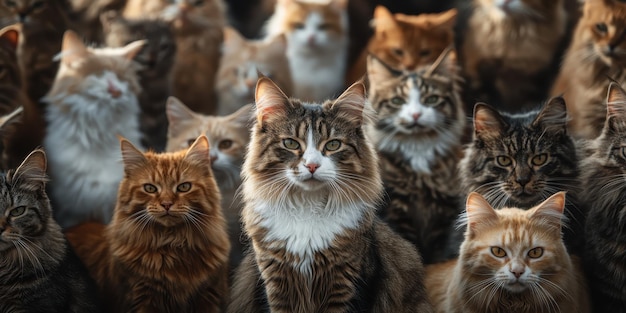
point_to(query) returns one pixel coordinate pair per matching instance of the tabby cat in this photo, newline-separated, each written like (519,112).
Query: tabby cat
(512,260)
(310,188)
(197,26)
(240,62)
(418,136)
(406,42)
(85,16)
(229,135)
(39,272)
(317,45)
(598,51)
(604,194)
(92,102)
(510,50)
(156,60)
(166,249)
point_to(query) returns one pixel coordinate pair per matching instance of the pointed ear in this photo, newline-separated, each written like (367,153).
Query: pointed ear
(31,174)
(351,103)
(550,211)
(132,157)
(242,116)
(10,37)
(278,43)
(487,121)
(198,152)
(553,116)
(107,18)
(378,72)
(232,39)
(178,115)
(445,20)
(383,20)
(615,100)
(271,102)
(130,50)
(73,49)
(479,213)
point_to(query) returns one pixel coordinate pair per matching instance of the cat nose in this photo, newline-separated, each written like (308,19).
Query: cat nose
(517,272)
(312,167)
(213,159)
(22,17)
(416,116)
(166,205)
(523,180)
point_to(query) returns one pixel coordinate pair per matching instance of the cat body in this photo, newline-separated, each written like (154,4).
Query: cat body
(156,59)
(596,52)
(39,271)
(166,249)
(421,120)
(512,260)
(317,245)
(317,45)
(92,102)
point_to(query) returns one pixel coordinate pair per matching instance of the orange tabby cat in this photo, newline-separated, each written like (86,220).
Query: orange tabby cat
(406,42)
(197,26)
(512,260)
(166,249)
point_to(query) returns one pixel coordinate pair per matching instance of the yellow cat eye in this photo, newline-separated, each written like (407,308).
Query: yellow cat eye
(498,252)
(539,159)
(184,187)
(17,211)
(535,253)
(149,188)
(333,145)
(397,100)
(291,144)
(225,144)
(503,160)
(430,100)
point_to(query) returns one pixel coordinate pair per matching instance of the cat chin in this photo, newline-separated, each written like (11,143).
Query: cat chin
(311,184)
(516,287)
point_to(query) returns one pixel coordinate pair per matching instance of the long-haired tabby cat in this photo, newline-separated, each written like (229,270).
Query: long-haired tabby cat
(241,60)
(311,184)
(229,136)
(317,45)
(604,194)
(512,260)
(39,272)
(92,102)
(418,133)
(156,59)
(510,50)
(597,51)
(406,42)
(197,25)
(166,249)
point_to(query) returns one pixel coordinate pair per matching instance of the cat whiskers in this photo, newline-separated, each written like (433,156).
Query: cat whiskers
(142,218)
(30,254)
(544,296)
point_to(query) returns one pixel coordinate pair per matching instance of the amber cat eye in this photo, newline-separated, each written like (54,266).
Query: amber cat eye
(291,144)
(498,252)
(184,187)
(149,188)
(539,159)
(333,145)
(18,211)
(503,160)
(535,253)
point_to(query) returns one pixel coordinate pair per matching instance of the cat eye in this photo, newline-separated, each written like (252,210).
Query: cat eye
(424,53)
(431,100)
(184,187)
(503,160)
(297,25)
(17,211)
(397,51)
(291,144)
(225,144)
(535,253)
(323,27)
(397,100)
(539,159)
(332,145)
(602,28)
(149,188)
(498,252)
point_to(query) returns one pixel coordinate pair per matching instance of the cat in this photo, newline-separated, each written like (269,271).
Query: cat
(85,16)
(229,136)
(197,26)
(241,59)
(512,260)
(39,271)
(597,51)
(317,45)
(421,121)
(405,42)
(603,174)
(92,102)
(156,60)
(310,187)
(510,50)
(166,249)
(519,160)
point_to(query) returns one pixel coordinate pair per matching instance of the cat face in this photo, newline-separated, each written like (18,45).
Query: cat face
(604,28)
(23,11)
(534,9)
(313,26)
(520,160)
(169,189)
(185,16)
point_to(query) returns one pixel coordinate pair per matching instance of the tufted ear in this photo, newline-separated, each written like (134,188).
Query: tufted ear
(178,116)
(198,152)
(130,50)
(384,21)
(479,213)
(550,212)
(351,103)
(31,174)
(487,121)
(10,37)
(133,158)
(73,49)
(553,116)
(243,115)
(378,72)
(271,102)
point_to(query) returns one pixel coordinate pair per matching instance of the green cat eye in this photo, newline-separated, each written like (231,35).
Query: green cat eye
(430,100)
(498,252)
(398,100)
(535,253)
(291,144)
(333,145)
(184,187)
(149,188)
(539,159)
(503,160)
(17,211)
(225,144)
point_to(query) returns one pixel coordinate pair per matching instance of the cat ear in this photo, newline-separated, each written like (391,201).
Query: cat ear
(199,151)
(232,39)
(10,37)
(350,104)
(479,213)
(73,49)
(550,211)
(377,71)
(31,174)
(271,102)
(132,157)
(383,20)
(553,116)
(278,43)
(178,116)
(445,20)
(615,101)
(130,50)
(487,121)
(242,116)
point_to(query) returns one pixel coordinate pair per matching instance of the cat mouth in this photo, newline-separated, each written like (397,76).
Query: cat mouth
(515,286)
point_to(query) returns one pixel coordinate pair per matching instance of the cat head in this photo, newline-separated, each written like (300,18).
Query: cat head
(10,73)
(529,9)
(229,135)
(520,159)
(169,189)
(157,56)
(407,42)
(602,28)
(514,250)
(26,12)
(241,59)
(311,150)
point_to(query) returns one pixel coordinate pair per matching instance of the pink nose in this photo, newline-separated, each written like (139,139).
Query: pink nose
(517,273)
(166,205)
(416,116)
(312,167)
